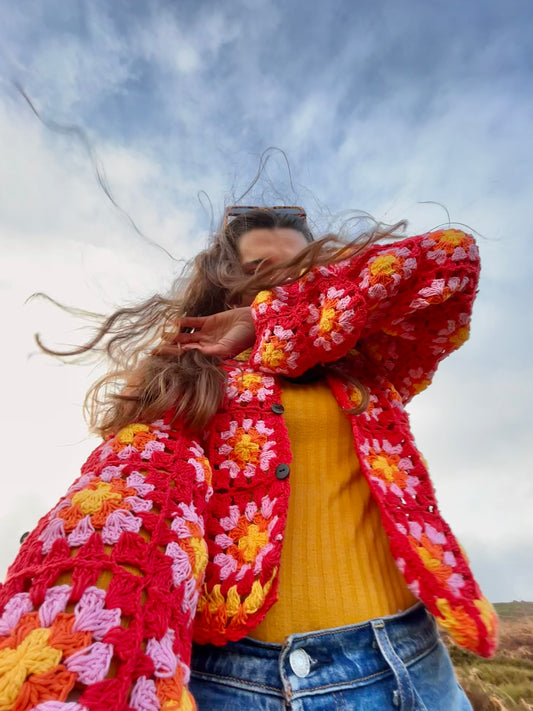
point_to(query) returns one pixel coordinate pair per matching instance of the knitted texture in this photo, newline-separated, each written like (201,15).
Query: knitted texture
(134,517)
(406,306)
(102,597)
(331,512)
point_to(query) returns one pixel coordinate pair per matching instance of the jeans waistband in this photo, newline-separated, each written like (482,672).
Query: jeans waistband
(326,659)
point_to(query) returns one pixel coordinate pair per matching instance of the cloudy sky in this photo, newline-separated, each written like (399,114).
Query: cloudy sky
(400,108)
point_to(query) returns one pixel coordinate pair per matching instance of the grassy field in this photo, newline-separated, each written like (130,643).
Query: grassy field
(504,683)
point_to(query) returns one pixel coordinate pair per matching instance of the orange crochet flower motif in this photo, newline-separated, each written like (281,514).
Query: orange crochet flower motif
(273,353)
(488,615)
(267,300)
(333,319)
(431,556)
(247,447)
(389,469)
(172,693)
(431,546)
(195,547)
(264,297)
(218,612)
(460,336)
(246,537)
(383,267)
(249,538)
(201,464)
(450,244)
(30,657)
(458,623)
(454,334)
(98,499)
(245,386)
(419,386)
(384,272)
(276,351)
(449,240)
(137,437)
(189,553)
(249,381)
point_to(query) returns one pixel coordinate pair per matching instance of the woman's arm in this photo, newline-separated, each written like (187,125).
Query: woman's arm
(99,603)
(405,305)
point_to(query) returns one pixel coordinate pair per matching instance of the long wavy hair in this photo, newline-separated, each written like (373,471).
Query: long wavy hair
(141,386)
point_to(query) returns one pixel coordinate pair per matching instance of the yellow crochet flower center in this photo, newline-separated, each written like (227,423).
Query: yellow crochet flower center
(250,380)
(90,500)
(453,237)
(200,554)
(185,703)
(246,450)
(32,656)
(488,615)
(420,386)
(327,320)
(263,297)
(460,336)
(126,434)
(458,623)
(252,543)
(386,469)
(272,356)
(383,265)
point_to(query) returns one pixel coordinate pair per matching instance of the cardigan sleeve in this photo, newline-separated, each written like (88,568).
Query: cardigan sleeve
(405,305)
(98,606)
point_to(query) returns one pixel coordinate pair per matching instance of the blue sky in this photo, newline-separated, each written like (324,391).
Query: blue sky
(402,109)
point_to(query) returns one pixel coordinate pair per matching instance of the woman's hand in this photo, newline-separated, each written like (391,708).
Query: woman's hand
(224,334)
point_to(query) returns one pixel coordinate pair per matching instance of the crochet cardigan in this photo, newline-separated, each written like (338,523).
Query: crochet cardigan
(168,537)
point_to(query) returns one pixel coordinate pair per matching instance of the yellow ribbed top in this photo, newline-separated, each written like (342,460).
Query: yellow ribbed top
(336,566)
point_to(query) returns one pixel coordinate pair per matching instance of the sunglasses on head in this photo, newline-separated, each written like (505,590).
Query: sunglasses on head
(236,210)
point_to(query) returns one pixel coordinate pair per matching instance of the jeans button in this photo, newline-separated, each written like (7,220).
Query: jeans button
(300,662)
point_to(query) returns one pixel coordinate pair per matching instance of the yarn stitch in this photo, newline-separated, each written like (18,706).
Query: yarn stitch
(166,537)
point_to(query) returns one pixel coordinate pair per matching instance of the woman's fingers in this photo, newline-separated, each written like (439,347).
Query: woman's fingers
(177,350)
(167,349)
(193,321)
(182,338)
(223,334)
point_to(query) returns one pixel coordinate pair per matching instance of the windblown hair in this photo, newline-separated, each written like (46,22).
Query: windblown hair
(141,386)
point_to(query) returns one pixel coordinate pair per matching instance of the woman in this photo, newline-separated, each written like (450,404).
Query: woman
(180,524)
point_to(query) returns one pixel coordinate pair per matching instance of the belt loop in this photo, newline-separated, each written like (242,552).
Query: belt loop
(285,683)
(398,668)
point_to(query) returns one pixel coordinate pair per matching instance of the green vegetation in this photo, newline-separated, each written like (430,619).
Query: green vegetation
(514,609)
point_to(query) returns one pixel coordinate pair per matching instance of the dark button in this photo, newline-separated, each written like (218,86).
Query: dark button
(282,471)
(24,536)
(277,408)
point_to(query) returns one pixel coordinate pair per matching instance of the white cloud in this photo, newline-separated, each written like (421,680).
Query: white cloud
(176,100)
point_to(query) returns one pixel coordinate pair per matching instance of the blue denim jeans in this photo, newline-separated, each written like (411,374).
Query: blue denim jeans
(395,662)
